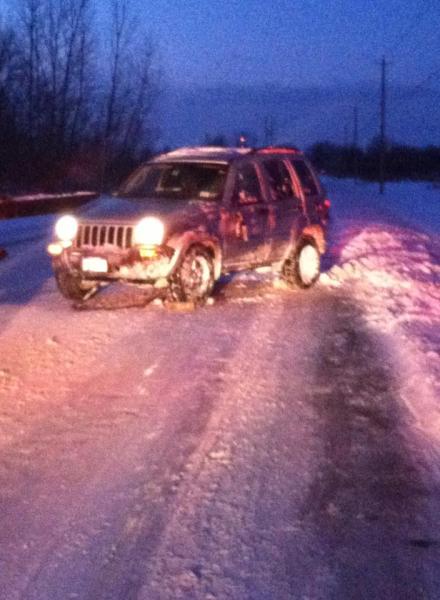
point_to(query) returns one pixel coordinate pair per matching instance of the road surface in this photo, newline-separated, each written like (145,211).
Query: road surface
(257,448)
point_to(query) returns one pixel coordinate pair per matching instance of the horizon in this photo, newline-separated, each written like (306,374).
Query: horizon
(319,114)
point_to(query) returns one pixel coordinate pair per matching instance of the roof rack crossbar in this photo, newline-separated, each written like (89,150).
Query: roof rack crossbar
(284,149)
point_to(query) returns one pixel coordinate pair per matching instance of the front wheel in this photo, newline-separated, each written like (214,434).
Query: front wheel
(302,267)
(193,279)
(74,287)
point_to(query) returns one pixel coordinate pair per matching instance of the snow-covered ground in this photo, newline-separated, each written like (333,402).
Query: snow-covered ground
(386,252)
(272,445)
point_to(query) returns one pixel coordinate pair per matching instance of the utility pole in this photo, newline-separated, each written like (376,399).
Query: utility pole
(355,142)
(382,127)
(269,130)
(355,127)
(346,135)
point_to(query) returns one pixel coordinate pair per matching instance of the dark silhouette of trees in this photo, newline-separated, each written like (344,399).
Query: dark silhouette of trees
(74,109)
(401,162)
(54,95)
(9,128)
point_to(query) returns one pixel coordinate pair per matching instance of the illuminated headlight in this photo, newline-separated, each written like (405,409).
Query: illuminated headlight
(149,232)
(66,228)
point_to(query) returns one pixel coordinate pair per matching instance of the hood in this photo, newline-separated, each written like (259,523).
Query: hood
(123,210)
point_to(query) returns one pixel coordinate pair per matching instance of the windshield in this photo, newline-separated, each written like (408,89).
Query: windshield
(180,181)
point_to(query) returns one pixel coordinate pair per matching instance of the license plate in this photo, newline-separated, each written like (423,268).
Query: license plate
(94,264)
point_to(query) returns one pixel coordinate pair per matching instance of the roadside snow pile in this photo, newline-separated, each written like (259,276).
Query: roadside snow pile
(394,273)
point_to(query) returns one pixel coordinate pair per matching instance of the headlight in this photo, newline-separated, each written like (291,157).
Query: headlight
(149,232)
(66,228)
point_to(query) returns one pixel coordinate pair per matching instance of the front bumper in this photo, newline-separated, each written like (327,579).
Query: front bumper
(143,265)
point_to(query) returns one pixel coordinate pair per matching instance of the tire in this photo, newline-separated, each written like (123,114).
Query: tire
(73,287)
(302,268)
(193,279)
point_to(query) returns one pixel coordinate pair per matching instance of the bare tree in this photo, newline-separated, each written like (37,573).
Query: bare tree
(131,89)
(118,45)
(143,96)
(76,59)
(9,66)
(29,13)
(67,63)
(69,93)
(55,38)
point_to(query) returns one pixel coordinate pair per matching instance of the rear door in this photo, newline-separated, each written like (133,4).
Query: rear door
(285,205)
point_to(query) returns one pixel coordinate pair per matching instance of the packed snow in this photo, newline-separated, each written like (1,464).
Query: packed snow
(273,444)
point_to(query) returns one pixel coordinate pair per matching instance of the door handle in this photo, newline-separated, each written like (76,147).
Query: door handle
(263,210)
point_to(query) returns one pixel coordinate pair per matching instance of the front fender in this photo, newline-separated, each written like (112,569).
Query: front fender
(182,242)
(317,233)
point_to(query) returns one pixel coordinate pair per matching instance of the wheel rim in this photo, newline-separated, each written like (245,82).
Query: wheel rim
(196,277)
(308,264)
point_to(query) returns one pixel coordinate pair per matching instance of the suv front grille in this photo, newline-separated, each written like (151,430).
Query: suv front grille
(103,235)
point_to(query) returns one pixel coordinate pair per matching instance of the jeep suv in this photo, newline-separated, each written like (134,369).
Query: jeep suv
(186,217)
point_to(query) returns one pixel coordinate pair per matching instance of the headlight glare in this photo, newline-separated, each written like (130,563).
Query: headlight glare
(66,228)
(149,232)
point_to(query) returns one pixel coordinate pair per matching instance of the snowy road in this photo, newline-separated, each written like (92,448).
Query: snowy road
(274,445)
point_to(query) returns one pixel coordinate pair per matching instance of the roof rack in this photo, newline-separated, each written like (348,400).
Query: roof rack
(278,150)
(204,151)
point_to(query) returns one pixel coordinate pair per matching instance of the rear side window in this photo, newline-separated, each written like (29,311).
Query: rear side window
(306,178)
(280,183)
(248,190)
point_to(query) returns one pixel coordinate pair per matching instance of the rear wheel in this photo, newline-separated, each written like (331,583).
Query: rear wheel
(74,287)
(193,279)
(302,267)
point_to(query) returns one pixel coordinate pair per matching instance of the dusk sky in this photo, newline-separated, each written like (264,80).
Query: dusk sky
(292,42)
(310,44)
(321,57)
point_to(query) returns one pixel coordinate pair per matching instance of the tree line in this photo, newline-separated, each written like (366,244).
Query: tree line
(75,101)
(400,161)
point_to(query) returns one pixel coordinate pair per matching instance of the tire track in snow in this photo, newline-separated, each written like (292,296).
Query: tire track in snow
(236,513)
(110,461)
(370,501)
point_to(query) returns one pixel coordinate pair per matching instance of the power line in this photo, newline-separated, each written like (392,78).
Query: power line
(426,80)
(412,91)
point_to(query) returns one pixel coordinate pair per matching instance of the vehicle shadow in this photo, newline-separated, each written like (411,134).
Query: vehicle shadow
(368,504)
(246,286)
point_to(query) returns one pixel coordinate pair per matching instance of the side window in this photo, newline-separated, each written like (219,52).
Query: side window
(306,178)
(280,183)
(248,190)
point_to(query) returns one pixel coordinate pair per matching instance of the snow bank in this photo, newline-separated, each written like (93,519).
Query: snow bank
(40,204)
(385,250)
